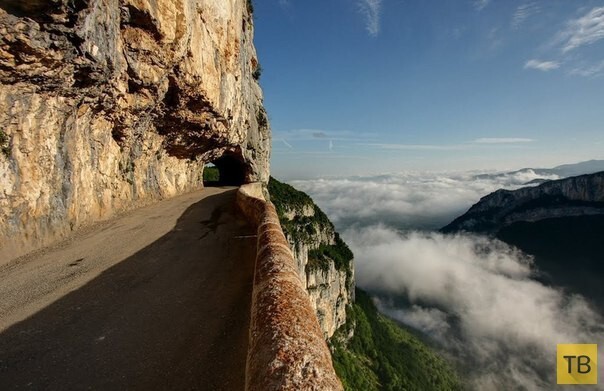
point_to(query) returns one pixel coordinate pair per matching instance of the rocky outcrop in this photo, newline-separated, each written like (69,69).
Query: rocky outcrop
(575,196)
(109,104)
(331,290)
(324,262)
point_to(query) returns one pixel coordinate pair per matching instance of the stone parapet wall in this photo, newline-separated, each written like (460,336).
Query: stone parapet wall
(287,350)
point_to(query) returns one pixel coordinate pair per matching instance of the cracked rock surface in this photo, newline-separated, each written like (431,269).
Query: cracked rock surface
(106,105)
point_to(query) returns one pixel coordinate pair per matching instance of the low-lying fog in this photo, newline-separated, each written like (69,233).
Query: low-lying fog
(406,201)
(475,297)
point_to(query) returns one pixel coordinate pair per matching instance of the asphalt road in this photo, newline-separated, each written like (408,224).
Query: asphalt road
(157,299)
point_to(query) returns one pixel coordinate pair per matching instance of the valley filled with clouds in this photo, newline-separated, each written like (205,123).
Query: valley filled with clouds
(407,200)
(478,299)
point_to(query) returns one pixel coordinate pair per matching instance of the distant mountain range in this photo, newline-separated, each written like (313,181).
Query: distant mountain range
(560,222)
(567,170)
(563,171)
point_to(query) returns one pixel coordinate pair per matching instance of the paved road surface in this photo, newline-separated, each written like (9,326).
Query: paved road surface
(157,299)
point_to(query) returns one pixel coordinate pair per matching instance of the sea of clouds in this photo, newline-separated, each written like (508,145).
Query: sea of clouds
(407,200)
(476,298)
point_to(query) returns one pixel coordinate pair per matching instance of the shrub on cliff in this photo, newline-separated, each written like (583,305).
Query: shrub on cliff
(339,253)
(286,197)
(384,356)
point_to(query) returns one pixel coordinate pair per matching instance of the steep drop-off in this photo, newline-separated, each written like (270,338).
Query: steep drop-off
(382,355)
(106,105)
(369,351)
(559,222)
(324,261)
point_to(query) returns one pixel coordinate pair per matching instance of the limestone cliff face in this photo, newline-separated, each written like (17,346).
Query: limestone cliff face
(108,104)
(575,196)
(324,262)
(330,289)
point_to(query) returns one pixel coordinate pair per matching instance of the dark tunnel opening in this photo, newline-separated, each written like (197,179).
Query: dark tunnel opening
(227,170)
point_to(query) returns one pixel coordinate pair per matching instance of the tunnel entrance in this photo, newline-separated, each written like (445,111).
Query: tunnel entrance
(227,170)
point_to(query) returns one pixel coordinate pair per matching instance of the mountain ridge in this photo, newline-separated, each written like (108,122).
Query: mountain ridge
(580,195)
(559,223)
(562,171)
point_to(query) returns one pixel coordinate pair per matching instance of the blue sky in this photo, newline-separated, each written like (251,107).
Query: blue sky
(380,86)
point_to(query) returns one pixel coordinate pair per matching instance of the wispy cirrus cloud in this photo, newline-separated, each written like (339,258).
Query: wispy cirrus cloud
(297,140)
(371,10)
(582,31)
(523,12)
(481,4)
(544,66)
(319,134)
(589,71)
(414,147)
(450,147)
(577,33)
(288,145)
(502,140)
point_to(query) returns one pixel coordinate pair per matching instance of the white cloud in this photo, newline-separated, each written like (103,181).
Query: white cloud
(288,145)
(585,30)
(371,9)
(523,12)
(481,4)
(415,147)
(406,200)
(431,321)
(448,147)
(589,71)
(318,134)
(476,298)
(544,66)
(502,140)
(582,31)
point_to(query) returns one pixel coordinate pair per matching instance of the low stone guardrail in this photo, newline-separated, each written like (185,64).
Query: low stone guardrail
(286,348)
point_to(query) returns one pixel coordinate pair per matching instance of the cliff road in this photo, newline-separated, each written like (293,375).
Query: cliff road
(158,298)
(106,106)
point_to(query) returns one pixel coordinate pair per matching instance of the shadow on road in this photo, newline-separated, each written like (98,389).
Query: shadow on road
(174,315)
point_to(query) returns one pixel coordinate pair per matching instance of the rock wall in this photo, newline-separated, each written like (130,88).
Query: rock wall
(109,104)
